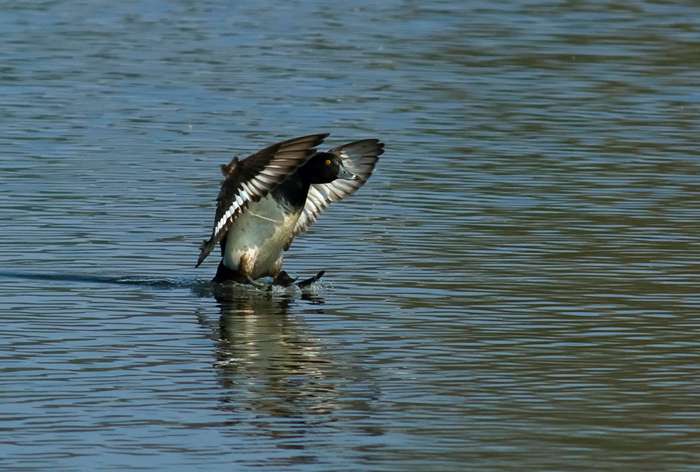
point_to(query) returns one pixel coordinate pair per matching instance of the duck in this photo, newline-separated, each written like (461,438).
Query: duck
(269,198)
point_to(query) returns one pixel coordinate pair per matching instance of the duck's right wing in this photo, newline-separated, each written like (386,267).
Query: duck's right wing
(360,159)
(253,178)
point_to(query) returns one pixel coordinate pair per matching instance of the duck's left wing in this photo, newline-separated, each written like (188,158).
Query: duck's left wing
(253,178)
(359,158)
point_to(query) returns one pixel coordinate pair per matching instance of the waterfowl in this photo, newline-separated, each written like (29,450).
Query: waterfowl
(274,195)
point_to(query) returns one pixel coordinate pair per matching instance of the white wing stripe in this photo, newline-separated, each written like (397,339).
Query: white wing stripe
(222,221)
(239,200)
(247,190)
(269,180)
(269,176)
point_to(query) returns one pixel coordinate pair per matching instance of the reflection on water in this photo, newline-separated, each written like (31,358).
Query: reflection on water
(264,356)
(272,370)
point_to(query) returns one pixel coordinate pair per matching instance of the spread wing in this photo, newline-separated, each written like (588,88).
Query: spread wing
(359,158)
(253,178)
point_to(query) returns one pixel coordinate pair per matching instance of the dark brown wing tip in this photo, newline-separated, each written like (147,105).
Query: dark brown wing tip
(314,140)
(206,248)
(317,139)
(379,146)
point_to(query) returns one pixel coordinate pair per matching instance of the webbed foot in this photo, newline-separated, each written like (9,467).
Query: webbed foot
(257,284)
(310,280)
(282,280)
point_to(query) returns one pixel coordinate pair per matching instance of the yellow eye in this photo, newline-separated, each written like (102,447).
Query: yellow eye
(328,162)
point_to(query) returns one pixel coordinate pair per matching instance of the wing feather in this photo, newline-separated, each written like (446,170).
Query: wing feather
(253,178)
(359,158)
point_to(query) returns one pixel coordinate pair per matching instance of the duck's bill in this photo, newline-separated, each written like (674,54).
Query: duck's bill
(343,173)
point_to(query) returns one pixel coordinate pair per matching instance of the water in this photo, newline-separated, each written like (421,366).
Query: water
(515,288)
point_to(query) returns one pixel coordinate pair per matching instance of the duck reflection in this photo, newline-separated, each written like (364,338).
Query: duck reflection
(267,365)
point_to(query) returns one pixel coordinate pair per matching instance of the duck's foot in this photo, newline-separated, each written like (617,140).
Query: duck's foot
(224,274)
(310,280)
(282,280)
(257,284)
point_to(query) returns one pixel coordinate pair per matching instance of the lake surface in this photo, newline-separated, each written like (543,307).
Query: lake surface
(516,288)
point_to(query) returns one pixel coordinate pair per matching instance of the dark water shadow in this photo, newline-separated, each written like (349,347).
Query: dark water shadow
(154,282)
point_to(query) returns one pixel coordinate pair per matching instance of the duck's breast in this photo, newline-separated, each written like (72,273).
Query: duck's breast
(259,234)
